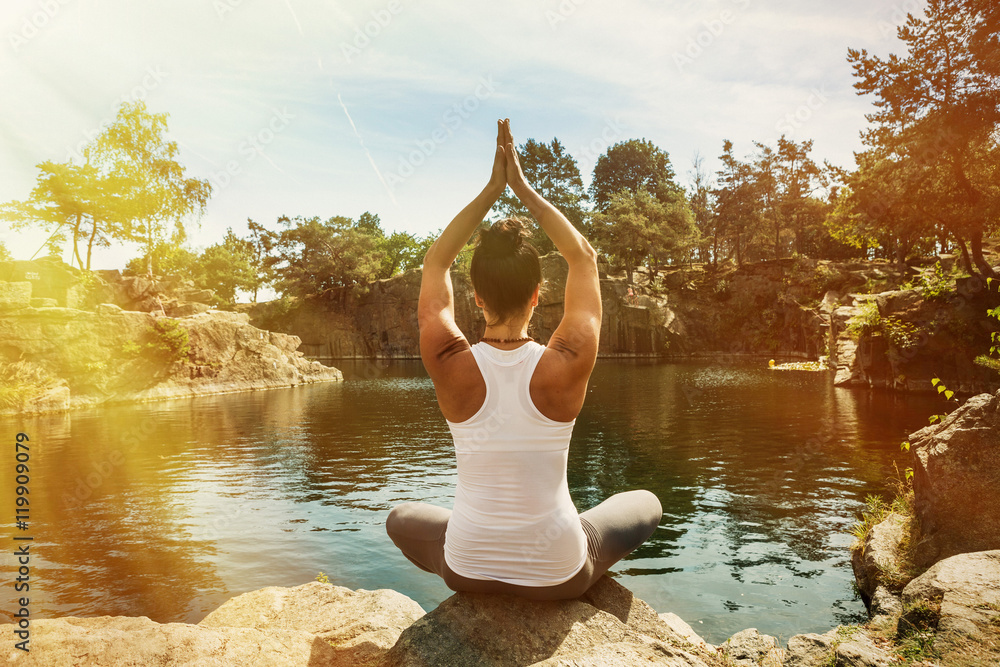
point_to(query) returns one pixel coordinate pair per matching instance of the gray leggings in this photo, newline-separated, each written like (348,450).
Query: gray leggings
(614,529)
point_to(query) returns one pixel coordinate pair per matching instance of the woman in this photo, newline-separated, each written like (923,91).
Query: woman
(511,404)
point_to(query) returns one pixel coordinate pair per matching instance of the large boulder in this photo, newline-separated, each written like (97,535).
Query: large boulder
(15,295)
(962,592)
(361,625)
(606,626)
(114,641)
(956,481)
(845,646)
(750,648)
(876,560)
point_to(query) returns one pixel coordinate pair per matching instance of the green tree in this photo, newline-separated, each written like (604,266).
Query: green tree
(315,255)
(262,258)
(634,165)
(5,255)
(738,216)
(152,190)
(170,258)
(937,109)
(226,267)
(554,174)
(70,202)
(703,208)
(636,229)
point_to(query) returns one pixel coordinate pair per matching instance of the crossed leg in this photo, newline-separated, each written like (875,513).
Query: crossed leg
(614,529)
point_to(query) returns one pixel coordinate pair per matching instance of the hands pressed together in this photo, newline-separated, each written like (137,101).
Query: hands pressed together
(506,166)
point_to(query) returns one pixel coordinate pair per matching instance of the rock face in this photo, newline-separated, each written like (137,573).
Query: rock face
(113,641)
(938,337)
(749,648)
(319,624)
(875,561)
(607,626)
(113,355)
(956,481)
(963,592)
(360,625)
(841,646)
(380,320)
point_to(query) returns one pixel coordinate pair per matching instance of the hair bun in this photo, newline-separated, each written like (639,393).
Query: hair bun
(503,237)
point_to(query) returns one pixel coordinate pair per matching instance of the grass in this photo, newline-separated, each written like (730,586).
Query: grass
(893,575)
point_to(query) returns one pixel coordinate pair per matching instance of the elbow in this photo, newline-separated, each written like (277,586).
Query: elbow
(582,253)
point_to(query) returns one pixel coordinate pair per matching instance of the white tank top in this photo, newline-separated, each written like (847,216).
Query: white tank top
(513,518)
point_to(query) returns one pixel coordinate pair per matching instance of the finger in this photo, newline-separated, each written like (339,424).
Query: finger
(500,133)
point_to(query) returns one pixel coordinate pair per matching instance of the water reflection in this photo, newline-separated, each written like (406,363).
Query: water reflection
(168,509)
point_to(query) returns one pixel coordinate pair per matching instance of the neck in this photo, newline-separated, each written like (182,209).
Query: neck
(507,332)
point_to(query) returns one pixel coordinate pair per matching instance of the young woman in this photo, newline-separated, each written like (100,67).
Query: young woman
(511,404)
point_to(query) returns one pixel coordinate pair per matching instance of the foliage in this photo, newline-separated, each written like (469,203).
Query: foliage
(554,174)
(170,340)
(322,578)
(314,256)
(261,243)
(168,258)
(228,266)
(935,285)
(931,168)
(900,334)
(20,382)
(5,255)
(637,228)
(991,359)
(634,165)
(151,187)
(129,188)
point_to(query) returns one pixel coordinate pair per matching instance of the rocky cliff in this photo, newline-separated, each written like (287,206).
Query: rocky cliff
(57,358)
(791,308)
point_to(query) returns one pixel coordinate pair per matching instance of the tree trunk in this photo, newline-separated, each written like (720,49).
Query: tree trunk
(977,255)
(966,260)
(90,243)
(76,237)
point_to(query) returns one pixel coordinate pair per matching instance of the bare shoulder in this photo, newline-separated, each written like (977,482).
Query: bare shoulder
(458,384)
(558,386)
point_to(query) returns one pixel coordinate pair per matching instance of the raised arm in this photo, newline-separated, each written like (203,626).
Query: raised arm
(576,338)
(440,337)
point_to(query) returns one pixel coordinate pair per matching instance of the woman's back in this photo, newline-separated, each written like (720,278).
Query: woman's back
(513,518)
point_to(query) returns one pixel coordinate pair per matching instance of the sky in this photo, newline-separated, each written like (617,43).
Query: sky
(326,108)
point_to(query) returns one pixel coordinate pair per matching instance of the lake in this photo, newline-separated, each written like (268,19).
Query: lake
(168,509)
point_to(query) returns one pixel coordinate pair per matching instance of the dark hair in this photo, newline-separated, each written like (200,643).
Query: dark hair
(505,269)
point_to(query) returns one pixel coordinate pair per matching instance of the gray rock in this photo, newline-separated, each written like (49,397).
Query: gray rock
(810,650)
(885,603)
(44,302)
(608,625)
(361,625)
(678,625)
(15,295)
(114,641)
(966,588)
(956,481)
(859,650)
(879,553)
(750,648)
(108,309)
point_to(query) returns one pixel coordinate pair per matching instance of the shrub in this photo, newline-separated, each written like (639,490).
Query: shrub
(20,382)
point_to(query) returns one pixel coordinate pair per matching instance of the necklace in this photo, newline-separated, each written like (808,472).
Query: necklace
(504,340)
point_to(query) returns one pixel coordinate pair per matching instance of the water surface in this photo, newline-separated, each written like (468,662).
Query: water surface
(168,509)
